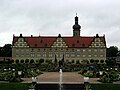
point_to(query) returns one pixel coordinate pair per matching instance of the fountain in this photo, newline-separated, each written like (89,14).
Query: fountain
(60,83)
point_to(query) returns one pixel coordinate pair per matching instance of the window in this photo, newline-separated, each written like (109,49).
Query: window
(17,55)
(73,45)
(61,54)
(78,55)
(67,54)
(17,50)
(89,55)
(83,45)
(83,50)
(45,45)
(101,55)
(27,55)
(95,55)
(101,50)
(22,55)
(41,41)
(84,55)
(72,54)
(56,53)
(27,50)
(32,50)
(32,54)
(22,50)
(38,54)
(44,54)
(95,50)
(77,41)
(89,50)
(50,54)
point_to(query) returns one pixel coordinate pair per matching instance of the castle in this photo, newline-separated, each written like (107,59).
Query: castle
(68,48)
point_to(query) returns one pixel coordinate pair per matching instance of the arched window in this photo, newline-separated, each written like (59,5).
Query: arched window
(27,61)
(22,61)
(92,61)
(101,61)
(31,61)
(17,61)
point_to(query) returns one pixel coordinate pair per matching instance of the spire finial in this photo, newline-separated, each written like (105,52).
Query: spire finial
(76,13)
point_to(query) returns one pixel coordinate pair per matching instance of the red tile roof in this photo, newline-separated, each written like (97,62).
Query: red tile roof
(47,41)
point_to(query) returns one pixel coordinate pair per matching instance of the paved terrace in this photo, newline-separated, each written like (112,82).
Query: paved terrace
(53,77)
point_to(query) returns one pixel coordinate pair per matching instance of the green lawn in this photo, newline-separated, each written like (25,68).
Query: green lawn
(14,86)
(105,86)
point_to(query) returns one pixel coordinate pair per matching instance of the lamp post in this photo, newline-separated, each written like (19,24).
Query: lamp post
(19,73)
(86,79)
(107,72)
(101,73)
(116,69)
(13,71)
(5,69)
(86,83)
(34,81)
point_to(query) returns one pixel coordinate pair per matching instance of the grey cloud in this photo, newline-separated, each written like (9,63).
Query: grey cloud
(43,16)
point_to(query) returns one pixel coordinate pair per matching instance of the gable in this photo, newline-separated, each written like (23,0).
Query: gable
(59,43)
(21,43)
(51,41)
(97,42)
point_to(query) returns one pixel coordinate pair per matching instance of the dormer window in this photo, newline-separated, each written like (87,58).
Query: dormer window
(73,45)
(45,45)
(35,45)
(83,45)
(41,41)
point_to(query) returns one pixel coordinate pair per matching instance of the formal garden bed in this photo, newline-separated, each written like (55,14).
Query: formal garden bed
(16,72)
(107,75)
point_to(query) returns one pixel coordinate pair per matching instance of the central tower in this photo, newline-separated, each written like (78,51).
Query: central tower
(76,27)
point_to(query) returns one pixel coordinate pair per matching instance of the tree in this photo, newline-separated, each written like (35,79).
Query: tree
(112,51)
(6,50)
(110,62)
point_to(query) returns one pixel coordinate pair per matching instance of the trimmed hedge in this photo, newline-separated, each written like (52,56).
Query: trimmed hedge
(25,86)
(108,86)
(14,86)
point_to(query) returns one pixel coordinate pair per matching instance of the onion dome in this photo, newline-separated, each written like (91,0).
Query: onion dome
(76,26)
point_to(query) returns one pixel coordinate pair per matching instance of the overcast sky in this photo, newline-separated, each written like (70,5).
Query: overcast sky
(51,17)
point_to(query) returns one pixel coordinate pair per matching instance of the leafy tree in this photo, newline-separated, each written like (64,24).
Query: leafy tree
(112,51)
(111,62)
(6,50)
(118,54)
